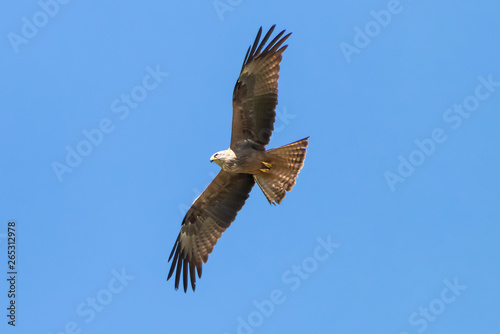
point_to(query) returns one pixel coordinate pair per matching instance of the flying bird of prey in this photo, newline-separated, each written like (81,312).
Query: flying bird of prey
(246,161)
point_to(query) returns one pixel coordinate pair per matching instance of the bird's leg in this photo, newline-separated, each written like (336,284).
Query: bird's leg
(267,167)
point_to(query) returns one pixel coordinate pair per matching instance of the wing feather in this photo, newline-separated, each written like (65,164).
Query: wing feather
(207,218)
(255,94)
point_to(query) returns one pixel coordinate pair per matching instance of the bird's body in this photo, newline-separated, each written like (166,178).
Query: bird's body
(244,158)
(243,164)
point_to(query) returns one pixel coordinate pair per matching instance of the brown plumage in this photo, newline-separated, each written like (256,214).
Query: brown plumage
(255,95)
(210,215)
(246,161)
(286,162)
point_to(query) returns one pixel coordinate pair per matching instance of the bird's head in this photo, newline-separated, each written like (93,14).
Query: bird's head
(217,157)
(220,157)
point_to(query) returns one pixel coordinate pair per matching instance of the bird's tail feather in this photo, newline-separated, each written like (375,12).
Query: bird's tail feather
(285,164)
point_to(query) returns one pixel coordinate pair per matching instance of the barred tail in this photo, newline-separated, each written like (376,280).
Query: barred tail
(280,169)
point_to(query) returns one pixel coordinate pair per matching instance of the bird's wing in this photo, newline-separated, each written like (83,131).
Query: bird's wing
(255,95)
(209,215)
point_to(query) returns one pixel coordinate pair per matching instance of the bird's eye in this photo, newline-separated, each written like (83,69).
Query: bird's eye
(216,155)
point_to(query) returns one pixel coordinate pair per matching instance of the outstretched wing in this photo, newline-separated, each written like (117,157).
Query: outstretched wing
(209,215)
(255,95)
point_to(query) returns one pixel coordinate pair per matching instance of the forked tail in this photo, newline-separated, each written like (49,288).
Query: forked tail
(280,169)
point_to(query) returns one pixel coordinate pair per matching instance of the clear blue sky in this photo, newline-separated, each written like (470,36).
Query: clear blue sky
(393,226)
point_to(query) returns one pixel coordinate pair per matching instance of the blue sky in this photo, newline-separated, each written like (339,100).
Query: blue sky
(393,225)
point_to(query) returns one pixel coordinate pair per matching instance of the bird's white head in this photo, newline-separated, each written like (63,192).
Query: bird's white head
(222,156)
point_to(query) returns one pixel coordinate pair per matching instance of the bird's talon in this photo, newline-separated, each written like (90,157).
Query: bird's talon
(267,164)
